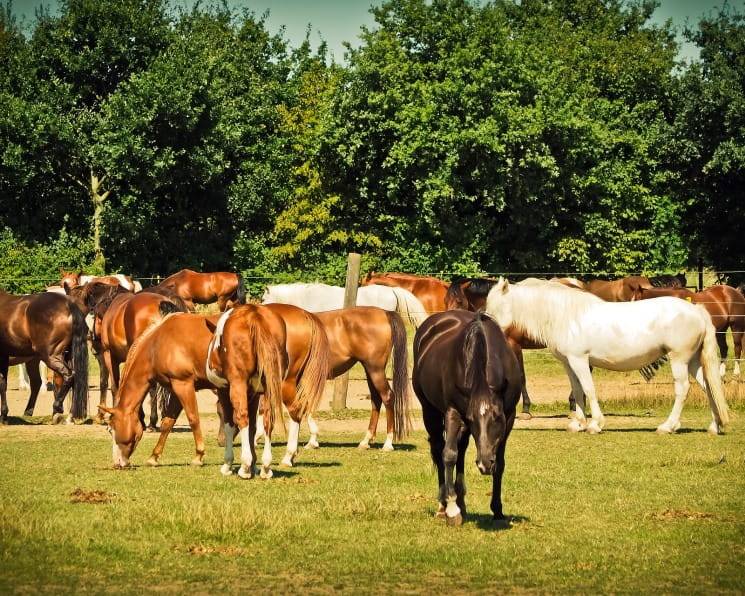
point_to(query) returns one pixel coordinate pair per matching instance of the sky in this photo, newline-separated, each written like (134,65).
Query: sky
(337,21)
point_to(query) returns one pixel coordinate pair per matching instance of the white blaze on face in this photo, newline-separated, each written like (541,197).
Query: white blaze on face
(483,409)
(118,456)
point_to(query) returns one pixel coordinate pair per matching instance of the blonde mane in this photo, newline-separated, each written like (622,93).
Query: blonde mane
(543,310)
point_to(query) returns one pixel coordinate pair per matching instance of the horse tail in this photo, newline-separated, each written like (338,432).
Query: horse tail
(710,364)
(269,361)
(79,351)
(401,397)
(409,306)
(475,354)
(240,292)
(315,369)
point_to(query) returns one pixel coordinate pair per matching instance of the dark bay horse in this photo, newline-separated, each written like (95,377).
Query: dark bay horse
(468,382)
(222,287)
(430,290)
(727,309)
(278,350)
(48,326)
(173,353)
(120,323)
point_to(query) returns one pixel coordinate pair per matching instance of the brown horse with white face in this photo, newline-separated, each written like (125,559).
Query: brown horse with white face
(429,290)
(727,309)
(121,322)
(222,287)
(173,353)
(47,326)
(280,350)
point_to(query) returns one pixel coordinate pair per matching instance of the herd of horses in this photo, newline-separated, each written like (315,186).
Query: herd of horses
(262,359)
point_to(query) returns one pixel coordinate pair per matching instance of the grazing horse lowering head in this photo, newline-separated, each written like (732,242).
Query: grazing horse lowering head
(69,279)
(126,430)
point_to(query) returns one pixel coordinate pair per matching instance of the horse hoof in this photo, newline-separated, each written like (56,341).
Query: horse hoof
(713,429)
(97,419)
(4,421)
(28,413)
(594,428)
(387,447)
(197,461)
(226,470)
(363,445)
(312,445)
(525,415)
(245,474)
(152,461)
(57,418)
(286,461)
(454,521)
(575,426)
(266,474)
(664,430)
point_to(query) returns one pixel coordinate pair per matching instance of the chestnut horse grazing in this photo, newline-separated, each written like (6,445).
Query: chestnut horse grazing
(430,290)
(468,383)
(127,316)
(279,350)
(205,288)
(50,327)
(727,309)
(173,353)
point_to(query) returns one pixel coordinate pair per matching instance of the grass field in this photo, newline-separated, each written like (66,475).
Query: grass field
(626,511)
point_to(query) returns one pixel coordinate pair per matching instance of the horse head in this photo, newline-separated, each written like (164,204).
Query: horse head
(498,303)
(69,279)
(125,428)
(487,423)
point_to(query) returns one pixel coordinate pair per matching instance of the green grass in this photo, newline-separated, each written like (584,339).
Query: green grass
(626,511)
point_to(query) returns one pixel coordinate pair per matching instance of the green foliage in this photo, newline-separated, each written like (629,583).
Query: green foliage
(26,268)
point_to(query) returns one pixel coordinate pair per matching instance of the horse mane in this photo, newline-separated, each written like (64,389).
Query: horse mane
(544,310)
(477,286)
(475,354)
(168,293)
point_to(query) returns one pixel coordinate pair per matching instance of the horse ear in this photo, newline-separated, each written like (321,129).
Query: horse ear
(66,287)
(503,284)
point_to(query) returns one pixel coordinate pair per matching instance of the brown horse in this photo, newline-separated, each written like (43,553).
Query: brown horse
(222,287)
(47,326)
(173,353)
(727,309)
(278,349)
(120,323)
(430,290)
(73,279)
(370,335)
(618,290)
(468,383)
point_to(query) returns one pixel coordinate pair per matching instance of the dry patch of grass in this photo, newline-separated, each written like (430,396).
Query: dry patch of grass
(95,497)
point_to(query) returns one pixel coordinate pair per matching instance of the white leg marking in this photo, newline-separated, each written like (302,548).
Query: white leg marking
(292,441)
(388,445)
(247,460)
(736,371)
(266,458)
(313,427)
(365,443)
(722,369)
(452,510)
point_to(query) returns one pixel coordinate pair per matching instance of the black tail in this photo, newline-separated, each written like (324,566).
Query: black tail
(240,293)
(79,351)
(401,397)
(474,352)
(173,304)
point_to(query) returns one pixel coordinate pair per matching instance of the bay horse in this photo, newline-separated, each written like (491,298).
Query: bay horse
(582,330)
(727,309)
(468,383)
(52,328)
(120,322)
(279,350)
(669,281)
(171,352)
(193,287)
(317,297)
(618,290)
(73,279)
(429,290)
(370,336)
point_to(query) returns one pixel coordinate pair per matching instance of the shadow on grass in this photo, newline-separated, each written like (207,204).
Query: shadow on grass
(374,447)
(486,521)
(317,464)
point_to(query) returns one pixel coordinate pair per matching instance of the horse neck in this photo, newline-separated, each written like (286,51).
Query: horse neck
(544,314)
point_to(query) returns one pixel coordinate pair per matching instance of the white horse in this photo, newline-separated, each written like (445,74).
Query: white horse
(582,330)
(318,297)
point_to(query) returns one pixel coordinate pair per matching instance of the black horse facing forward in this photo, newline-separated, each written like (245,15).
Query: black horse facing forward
(468,382)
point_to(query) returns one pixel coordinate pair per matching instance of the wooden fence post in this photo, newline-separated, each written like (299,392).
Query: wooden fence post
(700,274)
(341,383)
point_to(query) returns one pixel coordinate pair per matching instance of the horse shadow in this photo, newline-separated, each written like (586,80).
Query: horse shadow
(486,521)
(398,447)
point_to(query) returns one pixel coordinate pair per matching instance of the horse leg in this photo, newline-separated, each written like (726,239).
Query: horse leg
(738,338)
(24,382)
(435,425)
(578,422)
(260,427)
(48,374)
(454,428)
(313,428)
(227,412)
(460,472)
(581,368)
(153,426)
(34,377)
(518,351)
(379,387)
(679,368)
(170,415)
(4,363)
(723,349)
(248,470)
(266,455)
(288,397)
(56,362)
(496,490)
(375,403)
(240,398)
(697,372)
